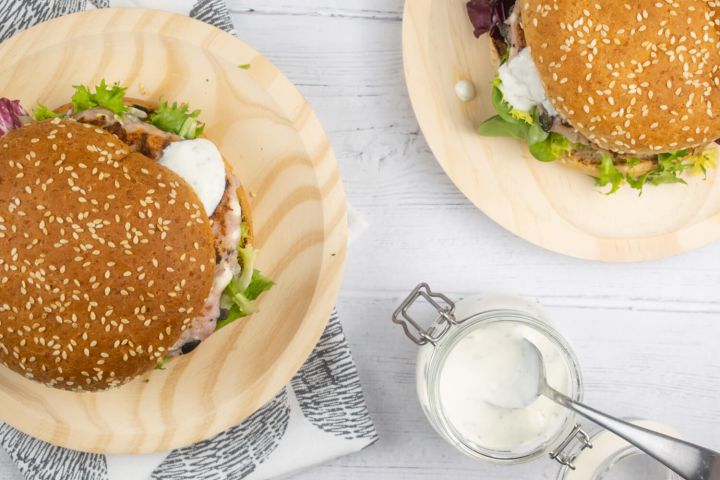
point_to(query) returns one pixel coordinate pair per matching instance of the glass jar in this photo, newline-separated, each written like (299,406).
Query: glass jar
(564,441)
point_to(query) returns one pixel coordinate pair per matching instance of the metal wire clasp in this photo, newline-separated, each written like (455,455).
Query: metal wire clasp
(576,442)
(415,332)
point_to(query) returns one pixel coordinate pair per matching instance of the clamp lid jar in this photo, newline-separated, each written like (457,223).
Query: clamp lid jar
(460,355)
(471,345)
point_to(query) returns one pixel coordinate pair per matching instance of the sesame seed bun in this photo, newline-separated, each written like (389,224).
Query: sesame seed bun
(106,256)
(242,196)
(636,77)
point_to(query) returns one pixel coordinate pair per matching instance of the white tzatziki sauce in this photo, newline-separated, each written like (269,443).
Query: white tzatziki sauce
(473,387)
(200,164)
(465,90)
(521,85)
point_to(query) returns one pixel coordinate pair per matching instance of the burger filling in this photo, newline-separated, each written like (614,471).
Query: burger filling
(525,112)
(168,135)
(132,129)
(520,84)
(226,223)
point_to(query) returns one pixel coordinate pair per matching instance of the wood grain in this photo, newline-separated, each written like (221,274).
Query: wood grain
(546,204)
(423,228)
(267,131)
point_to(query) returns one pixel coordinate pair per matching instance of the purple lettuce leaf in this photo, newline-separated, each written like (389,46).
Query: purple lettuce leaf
(12,115)
(489,15)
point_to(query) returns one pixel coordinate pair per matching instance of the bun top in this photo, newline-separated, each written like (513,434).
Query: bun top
(635,77)
(107,256)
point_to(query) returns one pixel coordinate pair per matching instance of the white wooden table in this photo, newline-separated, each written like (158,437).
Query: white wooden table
(648,335)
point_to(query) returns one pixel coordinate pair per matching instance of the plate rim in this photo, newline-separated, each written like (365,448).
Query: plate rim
(690,236)
(334,236)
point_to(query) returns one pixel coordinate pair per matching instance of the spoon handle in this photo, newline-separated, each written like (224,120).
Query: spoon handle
(691,462)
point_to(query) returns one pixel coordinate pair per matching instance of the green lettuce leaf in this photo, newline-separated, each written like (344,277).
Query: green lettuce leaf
(41,112)
(672,156)
(521,115)
(552,148)
(242,300)
(609,174)
(244,289)
(502,108)
(246,257)
(513,123)
(707,160)
(82,99)
(110,97)
(258,285)
(536,134)
(497,127)
(177,119)
(161,364)
(670,166)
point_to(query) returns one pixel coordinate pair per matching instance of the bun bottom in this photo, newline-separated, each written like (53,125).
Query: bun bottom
(245,206)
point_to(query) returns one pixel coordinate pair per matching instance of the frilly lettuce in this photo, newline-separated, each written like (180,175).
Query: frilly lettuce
(242,291)
(511,122)
(609,174)
(549,146)
(110,97)
(243,300)
(177,119)
(673,164)
(41,112)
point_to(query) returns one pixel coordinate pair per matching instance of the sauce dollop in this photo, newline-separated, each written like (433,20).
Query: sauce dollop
(199,163)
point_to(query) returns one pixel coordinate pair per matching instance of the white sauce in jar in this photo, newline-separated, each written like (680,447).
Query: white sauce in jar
(492,355)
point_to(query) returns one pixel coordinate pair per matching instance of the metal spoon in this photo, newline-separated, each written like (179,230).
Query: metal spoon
(690,461)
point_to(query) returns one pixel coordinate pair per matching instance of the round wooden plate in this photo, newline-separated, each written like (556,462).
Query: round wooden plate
(546,204)
(265,128)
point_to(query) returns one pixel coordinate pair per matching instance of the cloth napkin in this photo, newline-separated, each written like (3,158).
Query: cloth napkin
(320,415)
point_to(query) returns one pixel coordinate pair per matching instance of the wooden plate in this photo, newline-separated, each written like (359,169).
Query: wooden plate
(546,204)
(264,127)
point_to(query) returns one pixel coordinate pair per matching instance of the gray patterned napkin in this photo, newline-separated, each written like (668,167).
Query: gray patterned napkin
(320,415)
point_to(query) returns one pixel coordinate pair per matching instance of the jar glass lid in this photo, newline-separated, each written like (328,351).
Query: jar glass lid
(612,458)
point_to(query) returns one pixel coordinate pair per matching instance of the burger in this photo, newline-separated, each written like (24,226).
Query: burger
(627,92)
(127,239)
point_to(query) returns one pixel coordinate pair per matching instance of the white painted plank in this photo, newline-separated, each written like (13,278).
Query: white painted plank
(646,334)
(355,9)
(7,468)
(421,226)
(637,364)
